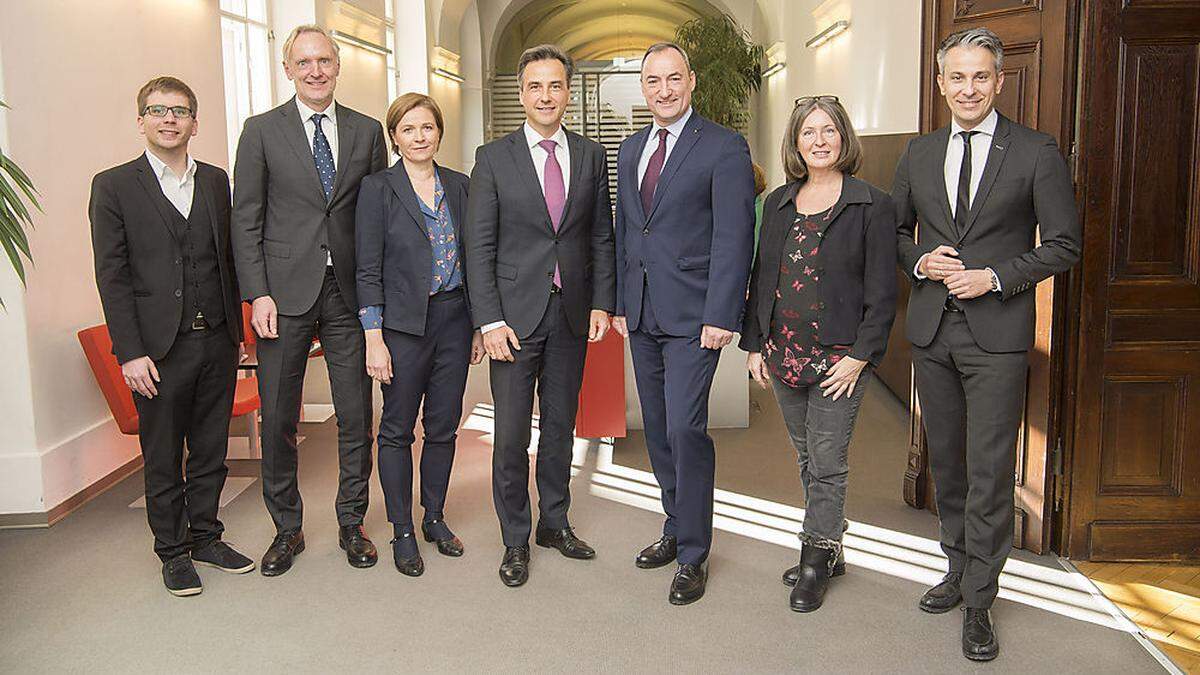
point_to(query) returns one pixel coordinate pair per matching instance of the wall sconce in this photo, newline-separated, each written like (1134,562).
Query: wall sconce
(776,59)
(832,31)
(359,42)
(442,72)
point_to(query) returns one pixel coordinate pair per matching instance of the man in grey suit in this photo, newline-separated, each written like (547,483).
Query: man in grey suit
(296,184)
(540,273)
(981,190)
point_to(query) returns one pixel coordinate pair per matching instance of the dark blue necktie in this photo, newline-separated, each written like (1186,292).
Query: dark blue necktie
(323,157)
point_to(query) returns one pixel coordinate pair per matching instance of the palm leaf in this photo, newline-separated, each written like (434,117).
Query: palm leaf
(15,189)
(728,68)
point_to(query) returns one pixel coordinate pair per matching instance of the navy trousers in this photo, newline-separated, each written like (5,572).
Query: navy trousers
(431,369)
(674,375)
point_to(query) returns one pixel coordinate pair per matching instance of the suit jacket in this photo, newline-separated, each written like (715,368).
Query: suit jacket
(1025,187)
(858,280)
(395,258)
(283,228)
(512,246)
(695,246)
(138,256)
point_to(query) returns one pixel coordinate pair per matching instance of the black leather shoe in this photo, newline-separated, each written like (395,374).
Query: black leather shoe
(943,597)
(978,637)
(436,531)
(514,569)
(220,555)
(408,558)
(688,584)
(791,573)
(360,552)
(812,580)
(279,556)
(179,576)
(661,552)
(566,542)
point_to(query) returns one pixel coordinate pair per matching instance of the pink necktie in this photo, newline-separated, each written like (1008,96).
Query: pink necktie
(555,192)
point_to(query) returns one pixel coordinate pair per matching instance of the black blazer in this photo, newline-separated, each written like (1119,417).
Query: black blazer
(512,246)
(1025,189)
(858,285)
(284,230)
(395,257)
(138,256)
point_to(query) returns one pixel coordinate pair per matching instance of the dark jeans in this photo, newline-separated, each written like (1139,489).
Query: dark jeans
(195,397)
(430,368)
(550,360)
(282,362)
(971,407)
(820,429)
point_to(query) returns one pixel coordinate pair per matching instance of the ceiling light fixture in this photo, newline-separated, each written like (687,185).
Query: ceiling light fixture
(832,31)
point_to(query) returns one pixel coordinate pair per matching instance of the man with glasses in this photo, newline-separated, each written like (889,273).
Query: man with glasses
(297,175)
(164,268)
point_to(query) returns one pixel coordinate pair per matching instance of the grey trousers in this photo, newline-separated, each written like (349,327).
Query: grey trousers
(820,429)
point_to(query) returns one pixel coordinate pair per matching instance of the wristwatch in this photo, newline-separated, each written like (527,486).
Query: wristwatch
(995,280)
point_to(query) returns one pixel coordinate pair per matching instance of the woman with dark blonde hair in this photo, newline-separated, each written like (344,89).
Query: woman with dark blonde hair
(415,315)
(821,303)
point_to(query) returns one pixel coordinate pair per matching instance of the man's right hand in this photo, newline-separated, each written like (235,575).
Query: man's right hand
(264,317)
(940,263)
(140,375)
(496,343)
(619,325)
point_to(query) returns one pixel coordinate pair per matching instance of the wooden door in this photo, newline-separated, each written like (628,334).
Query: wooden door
(1039,90)
(1135,454)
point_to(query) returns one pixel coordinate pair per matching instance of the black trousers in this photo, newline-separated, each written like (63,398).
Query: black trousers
(550,360)
(195,397)
(432,369)
(971,404)
(282,362)
(674,376)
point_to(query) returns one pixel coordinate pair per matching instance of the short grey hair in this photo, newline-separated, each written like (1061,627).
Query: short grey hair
(545,53)
(972,37)
(663,46)
(308,28)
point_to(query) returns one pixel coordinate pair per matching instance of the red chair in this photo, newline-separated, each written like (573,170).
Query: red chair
(97,347)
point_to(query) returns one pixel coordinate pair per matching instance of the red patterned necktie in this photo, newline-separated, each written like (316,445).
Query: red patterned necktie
(653,170)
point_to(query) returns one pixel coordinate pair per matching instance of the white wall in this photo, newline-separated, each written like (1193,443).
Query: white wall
(62,135)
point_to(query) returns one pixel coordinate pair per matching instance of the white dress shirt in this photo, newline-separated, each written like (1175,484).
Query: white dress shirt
(673,132)
(981,145)
(562,153)
(177,189)
(329,126)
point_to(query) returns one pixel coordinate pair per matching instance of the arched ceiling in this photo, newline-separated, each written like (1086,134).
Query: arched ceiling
(594,30)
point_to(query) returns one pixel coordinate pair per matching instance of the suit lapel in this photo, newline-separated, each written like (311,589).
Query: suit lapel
(523,160)
(631,166)
(154,192)
(346,128)
(687,141)
(401,184)
(293,129)
(996,154)
(937,177)
(575,147)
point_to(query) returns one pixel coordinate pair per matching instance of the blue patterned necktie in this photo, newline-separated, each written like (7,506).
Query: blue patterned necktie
(323,157)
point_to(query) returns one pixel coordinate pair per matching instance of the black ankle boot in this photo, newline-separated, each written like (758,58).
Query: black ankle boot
(812,580)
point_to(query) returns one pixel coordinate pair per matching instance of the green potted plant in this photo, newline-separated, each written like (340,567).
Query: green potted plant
(728,68)
(15,189)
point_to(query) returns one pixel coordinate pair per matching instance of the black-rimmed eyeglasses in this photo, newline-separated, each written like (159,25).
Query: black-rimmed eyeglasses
(179,111)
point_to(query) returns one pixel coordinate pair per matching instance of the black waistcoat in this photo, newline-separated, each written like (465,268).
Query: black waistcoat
(201,276)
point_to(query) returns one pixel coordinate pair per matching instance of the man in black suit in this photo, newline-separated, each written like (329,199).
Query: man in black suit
(540,274)
(164,268)
(297,175)
(981,189)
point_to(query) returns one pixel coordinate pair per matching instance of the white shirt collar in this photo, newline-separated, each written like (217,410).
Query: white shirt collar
(674,128)
(987,126)
(161,170)
(532,138)
(306,112)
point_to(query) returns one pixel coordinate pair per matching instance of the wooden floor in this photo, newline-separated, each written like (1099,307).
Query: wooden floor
(1162,599)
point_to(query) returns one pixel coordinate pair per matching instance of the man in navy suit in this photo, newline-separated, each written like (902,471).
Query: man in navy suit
(683,259)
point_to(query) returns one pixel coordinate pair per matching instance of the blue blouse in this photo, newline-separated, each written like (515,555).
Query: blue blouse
(446,274)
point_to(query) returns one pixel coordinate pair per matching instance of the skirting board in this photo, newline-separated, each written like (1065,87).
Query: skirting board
(39,519)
